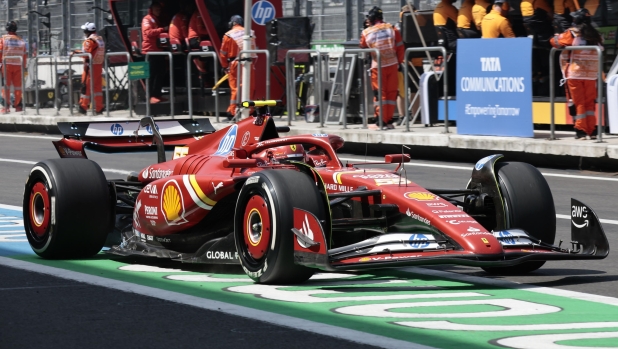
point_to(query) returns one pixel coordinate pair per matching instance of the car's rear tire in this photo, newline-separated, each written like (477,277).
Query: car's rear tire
(266,250)
(67,208)
(529,205)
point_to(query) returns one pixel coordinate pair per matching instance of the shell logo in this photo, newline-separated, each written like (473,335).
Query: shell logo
(420,196)
(172,204)
(364,259)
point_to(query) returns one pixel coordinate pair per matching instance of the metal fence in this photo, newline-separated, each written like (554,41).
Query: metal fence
(341,20)
(52,26)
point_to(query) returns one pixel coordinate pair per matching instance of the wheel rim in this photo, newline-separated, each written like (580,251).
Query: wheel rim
(257,228)
(39,209)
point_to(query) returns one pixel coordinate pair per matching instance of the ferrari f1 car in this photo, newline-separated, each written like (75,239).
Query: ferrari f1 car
(284,207)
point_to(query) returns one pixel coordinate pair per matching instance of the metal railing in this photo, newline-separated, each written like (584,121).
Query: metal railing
(291,87)
(267,63)
(54,81)
(57,99)
(344,108)
(444,78)
(189,83)
(171,68)
(70,82)
(552,92)
(129,89)
(7,103)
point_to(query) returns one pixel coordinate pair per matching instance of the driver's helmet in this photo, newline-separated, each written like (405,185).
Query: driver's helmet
(282,154)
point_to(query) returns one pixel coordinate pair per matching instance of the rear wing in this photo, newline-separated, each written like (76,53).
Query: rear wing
(128,135)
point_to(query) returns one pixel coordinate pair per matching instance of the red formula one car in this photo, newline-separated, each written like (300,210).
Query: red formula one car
(283,207)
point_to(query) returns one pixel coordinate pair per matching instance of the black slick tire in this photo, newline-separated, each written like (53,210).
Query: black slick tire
(265,209)
(67,208)
(529,205)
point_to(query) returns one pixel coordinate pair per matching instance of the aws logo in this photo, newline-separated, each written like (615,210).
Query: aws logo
(172,203)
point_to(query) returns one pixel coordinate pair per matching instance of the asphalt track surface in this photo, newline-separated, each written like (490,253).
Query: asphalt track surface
(46,310)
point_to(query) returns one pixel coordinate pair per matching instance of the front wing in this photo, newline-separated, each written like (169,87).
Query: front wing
(588,241)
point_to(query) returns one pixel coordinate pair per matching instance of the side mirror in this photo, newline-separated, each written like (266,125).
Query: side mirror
(241,154)
(396,158)
(239,163)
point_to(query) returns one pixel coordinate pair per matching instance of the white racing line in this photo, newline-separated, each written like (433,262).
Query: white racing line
(469,168)
(30,136)
(111,170)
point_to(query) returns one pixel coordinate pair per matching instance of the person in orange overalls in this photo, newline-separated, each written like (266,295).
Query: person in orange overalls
(228,54)
(12,45)
(94,45)
(387,40)
(580,70)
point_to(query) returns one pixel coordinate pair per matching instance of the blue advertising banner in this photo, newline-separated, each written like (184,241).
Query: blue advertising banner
(494,88)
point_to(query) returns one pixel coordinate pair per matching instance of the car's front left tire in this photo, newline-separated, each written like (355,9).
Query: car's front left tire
(264,220)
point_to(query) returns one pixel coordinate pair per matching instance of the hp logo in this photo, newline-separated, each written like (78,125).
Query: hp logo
(262,12)
(117,129)
(418,241)
(227,142)
(149,128)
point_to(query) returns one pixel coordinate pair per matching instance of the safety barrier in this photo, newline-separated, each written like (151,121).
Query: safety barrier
(267,63)
(344,106)
(290,86)
(70,82)
(171,68)
(130,89)
(189,84)
(36,79)
(21,64)
(444,78)
(552,92)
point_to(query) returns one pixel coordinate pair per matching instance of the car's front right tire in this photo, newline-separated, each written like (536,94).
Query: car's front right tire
(529,205)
